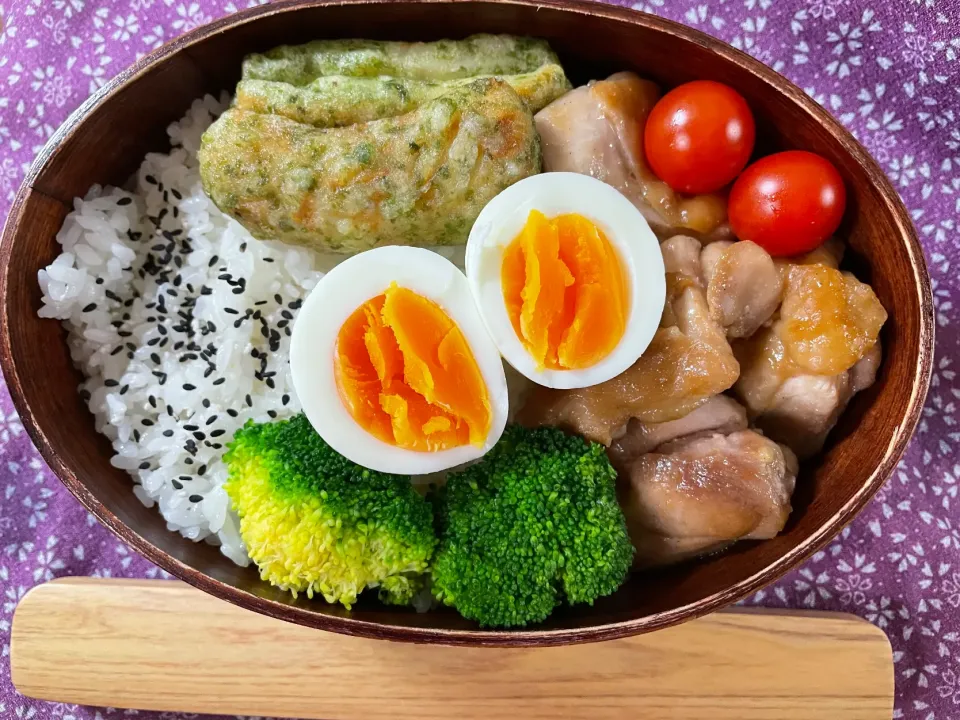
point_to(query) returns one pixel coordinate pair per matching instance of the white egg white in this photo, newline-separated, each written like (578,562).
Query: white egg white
(502,220)
(345,288)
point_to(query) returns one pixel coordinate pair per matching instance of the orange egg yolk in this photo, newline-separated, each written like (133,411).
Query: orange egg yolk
(564,291)
(407,375)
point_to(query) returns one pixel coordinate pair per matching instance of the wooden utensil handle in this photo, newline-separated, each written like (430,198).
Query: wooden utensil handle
(162,645)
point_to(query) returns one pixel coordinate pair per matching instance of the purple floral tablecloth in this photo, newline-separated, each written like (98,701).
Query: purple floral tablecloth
(889,69)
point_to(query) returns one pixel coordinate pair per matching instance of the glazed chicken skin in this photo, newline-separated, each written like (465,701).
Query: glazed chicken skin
(688,362)
(699,494)
(597,130)
(798,375)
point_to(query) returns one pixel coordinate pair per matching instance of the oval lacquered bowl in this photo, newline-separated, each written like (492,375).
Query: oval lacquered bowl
(106,139)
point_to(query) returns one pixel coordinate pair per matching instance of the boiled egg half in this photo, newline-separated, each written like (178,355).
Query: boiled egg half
(393,365)
(568,277)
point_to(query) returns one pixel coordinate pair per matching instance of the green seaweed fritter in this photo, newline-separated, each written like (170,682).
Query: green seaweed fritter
(415,179)
(432,61)
(346,145)
(335,101)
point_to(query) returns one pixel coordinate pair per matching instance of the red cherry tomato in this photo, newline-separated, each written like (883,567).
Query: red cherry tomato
(699,136)
(787,203)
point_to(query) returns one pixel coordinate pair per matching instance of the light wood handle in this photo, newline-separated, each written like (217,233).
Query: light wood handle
(161,645)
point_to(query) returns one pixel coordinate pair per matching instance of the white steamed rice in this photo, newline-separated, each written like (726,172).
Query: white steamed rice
(180,321)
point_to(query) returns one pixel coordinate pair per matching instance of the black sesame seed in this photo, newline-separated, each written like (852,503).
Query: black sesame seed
(285,399)
(213,261)
(211,420)
(199,435)
(271,384)
(151,179)
(177,484)
(201,470)
(191,427)
(160,328)
(206,290)
(208,372)
(196,498)
(144,465)
(136,435)
(232,413)
(188,386)
(112,295)
(238,323)
(124,201)
(287,314)
(243,247)
(147,422)
(237,291)
(124,333)
(268,259)
(118,349)
(123,390)
(219,381)
(249,401)
(272,413)
(217,433)
(155,358)
(168,433)
(99,281)
(90,308)
(231,311)
(170,410)
(110,382)
(188,461)
(260,302)
(205,403)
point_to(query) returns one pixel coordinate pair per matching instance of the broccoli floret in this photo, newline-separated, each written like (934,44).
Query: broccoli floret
(315,522)
(534,523)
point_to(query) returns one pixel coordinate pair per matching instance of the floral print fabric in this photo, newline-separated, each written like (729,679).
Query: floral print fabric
(888,70)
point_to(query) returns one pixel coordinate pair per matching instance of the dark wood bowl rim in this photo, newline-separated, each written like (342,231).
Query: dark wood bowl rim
(514,638)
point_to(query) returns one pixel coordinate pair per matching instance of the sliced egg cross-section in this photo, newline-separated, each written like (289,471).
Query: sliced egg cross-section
(569,279)
(393,365)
